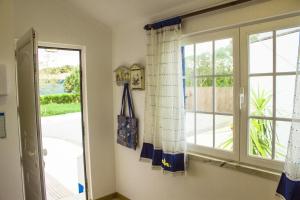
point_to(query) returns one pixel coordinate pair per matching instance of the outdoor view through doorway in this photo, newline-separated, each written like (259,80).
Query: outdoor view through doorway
(61,123)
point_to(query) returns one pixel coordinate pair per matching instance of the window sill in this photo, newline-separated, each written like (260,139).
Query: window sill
(248,169)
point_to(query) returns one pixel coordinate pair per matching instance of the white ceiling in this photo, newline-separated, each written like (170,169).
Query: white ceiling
(114,12)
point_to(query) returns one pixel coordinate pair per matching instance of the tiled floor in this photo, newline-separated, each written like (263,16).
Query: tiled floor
(56,191)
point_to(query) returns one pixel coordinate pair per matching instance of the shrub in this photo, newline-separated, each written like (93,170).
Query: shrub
(72,82)
(60,99)
(57,70)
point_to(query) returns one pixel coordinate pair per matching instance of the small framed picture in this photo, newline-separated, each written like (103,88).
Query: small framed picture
(137,77)
(122,75)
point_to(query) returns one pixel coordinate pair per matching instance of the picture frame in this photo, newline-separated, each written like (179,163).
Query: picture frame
(137,77)
(122,74)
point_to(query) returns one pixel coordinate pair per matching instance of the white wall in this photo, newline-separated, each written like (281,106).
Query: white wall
(137,180)
(58,23)
(10,171)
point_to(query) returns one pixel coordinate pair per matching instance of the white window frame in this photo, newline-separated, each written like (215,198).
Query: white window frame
(212,36)
(245,32)
(240,36)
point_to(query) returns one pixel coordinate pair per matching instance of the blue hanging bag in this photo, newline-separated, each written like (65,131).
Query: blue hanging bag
(127,125)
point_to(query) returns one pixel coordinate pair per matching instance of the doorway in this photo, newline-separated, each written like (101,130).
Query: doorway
(61,111)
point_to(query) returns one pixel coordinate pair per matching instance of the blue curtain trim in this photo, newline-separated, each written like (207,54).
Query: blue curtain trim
(169,162)
(168,22)
(288,189)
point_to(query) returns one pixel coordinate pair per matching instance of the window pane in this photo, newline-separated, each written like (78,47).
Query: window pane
(282,138)
(204,92)
(224,132)
(204,130)
(287,48)
(285,89)
(261,99)
(190,127)
(188,62)
(223,56)
(224,94)
(261,53)
(204,58)
(260,138)
(189,94)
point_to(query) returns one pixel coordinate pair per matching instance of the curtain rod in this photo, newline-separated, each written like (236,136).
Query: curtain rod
(203,11)
(214,8)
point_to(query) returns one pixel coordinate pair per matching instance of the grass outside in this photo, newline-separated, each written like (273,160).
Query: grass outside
(59,109)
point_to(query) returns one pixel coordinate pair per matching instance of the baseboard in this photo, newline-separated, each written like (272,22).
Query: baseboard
(121,197)
(108,197)
(113,196)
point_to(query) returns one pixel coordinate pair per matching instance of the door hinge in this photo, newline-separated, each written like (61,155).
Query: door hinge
(21,160)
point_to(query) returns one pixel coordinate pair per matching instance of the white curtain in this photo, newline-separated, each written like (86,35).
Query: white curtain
(164,138)
(289,185)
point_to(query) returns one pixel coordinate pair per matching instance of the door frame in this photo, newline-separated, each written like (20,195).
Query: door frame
(84,107)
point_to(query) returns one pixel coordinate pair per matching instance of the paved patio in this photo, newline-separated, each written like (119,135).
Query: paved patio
(64,159)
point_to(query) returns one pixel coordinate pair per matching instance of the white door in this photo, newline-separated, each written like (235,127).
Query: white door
(29,119)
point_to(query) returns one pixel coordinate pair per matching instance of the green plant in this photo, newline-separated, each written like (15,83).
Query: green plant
(260,100)
(72,82)
(260,138)
(60,99)
(260,130)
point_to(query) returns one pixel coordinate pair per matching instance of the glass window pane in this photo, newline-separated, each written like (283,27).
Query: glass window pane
(282,138)
(287,49)
(285,89)
(189,95)
(204,59)
(204,130)
(260,138)
(224,94)
(261,99)
(261,53)
(224,132)
(224,56)
(188,63)
(190,127)
(204,91)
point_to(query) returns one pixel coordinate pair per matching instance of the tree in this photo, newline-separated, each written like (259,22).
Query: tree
(203,67)
(72,82)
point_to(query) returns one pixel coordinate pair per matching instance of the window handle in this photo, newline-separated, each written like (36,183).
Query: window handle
(242,97)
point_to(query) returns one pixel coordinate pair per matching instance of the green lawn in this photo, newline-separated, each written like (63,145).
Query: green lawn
(59,109)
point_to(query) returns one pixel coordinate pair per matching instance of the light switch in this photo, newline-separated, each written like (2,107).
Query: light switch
(3,80)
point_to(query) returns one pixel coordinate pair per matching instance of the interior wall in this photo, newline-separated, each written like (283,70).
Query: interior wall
(136,179)
(10,170)
(57,22)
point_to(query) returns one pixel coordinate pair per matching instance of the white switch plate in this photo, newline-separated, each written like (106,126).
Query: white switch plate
(3,80)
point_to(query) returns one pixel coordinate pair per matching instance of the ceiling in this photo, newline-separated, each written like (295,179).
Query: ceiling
(115,12)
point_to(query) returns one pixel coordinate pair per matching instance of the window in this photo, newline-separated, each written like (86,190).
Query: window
(270,55)
(242,113)
(210,66)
